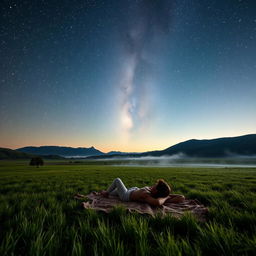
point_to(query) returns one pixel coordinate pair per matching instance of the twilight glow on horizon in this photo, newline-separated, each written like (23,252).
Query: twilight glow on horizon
(126,75)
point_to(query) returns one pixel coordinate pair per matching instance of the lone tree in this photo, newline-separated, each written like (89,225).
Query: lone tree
(36,161)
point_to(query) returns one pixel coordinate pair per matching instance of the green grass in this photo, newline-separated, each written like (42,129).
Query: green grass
(38,215)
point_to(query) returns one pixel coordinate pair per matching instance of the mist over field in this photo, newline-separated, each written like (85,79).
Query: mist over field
(183,160)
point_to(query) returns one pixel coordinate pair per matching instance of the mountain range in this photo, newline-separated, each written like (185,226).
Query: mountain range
(220,147)
(61,151)
(6,153)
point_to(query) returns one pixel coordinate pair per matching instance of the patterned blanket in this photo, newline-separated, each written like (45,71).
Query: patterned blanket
(100,203)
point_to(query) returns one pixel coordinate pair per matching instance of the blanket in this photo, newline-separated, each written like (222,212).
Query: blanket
(99,203)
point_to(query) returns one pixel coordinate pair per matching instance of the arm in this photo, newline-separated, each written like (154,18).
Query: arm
(155,201)
(176,199)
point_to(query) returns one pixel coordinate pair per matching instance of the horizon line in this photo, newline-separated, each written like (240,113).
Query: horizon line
(12,148)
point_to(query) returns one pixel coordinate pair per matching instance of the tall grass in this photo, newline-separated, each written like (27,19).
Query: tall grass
(38,215)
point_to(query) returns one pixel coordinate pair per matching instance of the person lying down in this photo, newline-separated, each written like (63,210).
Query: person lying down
(154,196)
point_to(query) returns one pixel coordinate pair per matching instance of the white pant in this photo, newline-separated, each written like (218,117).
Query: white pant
(117,188)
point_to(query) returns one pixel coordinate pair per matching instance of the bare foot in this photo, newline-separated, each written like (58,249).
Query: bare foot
(84,205)
(79,195)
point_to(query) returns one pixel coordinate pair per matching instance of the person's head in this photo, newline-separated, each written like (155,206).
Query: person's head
(160,189)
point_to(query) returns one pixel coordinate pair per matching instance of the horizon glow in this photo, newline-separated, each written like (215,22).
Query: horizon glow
(126,76)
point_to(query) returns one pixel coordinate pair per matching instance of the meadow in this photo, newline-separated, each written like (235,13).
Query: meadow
(39,216)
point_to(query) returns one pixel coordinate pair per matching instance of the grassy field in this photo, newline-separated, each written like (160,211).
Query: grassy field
(38,215)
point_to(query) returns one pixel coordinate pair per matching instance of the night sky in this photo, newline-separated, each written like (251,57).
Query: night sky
(126,75)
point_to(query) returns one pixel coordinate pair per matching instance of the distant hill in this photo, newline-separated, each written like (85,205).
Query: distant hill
(119,153)
(6,153)
(221,147)
(115,153)
(10,154)
(61,151)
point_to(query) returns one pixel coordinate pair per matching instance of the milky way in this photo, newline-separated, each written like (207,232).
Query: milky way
(147,21)
(126,75)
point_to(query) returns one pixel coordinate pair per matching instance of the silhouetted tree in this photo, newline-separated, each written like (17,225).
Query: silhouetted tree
(36,161)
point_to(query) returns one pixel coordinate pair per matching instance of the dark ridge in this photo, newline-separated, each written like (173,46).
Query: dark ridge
(220,147)
(61,151)
(10,154)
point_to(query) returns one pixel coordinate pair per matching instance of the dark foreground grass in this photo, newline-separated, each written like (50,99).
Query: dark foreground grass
(38,215)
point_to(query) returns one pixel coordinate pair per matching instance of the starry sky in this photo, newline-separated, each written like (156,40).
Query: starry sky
(126,75)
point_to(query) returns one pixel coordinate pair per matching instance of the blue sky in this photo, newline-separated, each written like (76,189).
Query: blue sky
(126,75)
